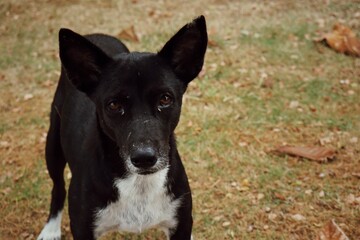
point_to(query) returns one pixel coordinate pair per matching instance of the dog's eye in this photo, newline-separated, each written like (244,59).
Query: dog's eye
(165,100)
(115,106)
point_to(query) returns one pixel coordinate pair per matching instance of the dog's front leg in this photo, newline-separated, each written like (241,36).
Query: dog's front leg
(81,226)
(80,212)
(78,235)
(183,229)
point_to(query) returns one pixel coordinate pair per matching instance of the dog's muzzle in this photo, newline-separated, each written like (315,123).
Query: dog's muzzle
(143,157)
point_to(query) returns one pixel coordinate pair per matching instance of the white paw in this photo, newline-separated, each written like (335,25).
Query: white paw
(52,229)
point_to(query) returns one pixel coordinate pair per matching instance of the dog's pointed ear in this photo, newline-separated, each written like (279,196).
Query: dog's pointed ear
(82,60)
(185,51)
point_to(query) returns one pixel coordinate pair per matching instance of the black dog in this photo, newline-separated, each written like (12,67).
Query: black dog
(112,120)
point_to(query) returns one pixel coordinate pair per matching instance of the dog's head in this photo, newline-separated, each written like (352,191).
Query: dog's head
(137,96)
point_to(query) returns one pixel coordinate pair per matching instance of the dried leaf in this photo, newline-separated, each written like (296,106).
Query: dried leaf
(272,216)
(4,144)
(354,139)
(202,72)
(5,191)
(268,83)
(245,182)
(28,96)
(260,196)
(226,224)
(298,217)
(342,39)
(331,231)
(129,34)
(213,43)
(352,200)
(356,174)
(279,196)
(294,104)
(308,192)
(319,154)
(250,228)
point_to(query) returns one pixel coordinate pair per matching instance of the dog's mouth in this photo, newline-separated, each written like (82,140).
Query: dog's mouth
(146,172)
(145,159)
(160,165)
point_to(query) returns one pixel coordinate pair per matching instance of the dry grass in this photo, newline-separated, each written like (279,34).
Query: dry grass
(265,84)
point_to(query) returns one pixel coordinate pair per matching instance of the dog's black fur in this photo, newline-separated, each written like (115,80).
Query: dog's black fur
(113,116)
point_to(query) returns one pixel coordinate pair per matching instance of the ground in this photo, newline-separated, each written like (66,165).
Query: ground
(265,84)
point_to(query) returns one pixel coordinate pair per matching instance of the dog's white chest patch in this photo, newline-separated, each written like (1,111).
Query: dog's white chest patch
(143,203)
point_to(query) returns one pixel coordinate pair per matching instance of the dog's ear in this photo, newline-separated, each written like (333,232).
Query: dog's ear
(81,59)
(185,51)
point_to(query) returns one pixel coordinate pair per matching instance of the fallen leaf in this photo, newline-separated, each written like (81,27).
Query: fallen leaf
(242,189)
(48,83)
(344,81)
(202,73)
(272,216)
(356,174)
(354,139)
(352,200)
(226,224)
(322,175)
(5,191)
(294,104)
(351,92)
(279,196)
(31,236)
(28,96)
(342,39)
(129,34)
(308,192)
(250,228)
(268,83)
(213,43)
(4,144)
(319,154)
(298,217)
(260,196)
(331,231)
(242,144)
(245,182)
(18,177)
(24,235)
(326,140)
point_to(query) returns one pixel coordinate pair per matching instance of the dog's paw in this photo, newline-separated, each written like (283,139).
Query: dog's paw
(52,229)
(49,234)
(49,237)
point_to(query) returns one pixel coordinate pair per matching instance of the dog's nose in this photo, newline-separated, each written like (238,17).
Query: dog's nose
(143,157)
